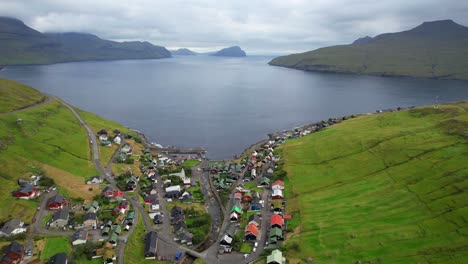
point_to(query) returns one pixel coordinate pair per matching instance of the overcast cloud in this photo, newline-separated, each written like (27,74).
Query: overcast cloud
(258,26)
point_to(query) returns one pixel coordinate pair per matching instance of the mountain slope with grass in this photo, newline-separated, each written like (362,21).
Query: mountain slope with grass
(383,188)
(437,49)
(49,139)
(24,45)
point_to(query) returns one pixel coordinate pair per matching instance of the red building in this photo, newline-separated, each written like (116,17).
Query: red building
(27,192)
(13,254)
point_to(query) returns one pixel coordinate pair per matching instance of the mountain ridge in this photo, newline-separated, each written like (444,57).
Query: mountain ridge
(434,49)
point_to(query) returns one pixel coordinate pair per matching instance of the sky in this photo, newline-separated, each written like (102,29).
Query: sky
(258,26)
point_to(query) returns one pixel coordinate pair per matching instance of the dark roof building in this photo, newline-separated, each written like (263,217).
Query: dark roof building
(60,258)
(151,245)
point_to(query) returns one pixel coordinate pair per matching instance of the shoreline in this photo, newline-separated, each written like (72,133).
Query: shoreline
(295,132)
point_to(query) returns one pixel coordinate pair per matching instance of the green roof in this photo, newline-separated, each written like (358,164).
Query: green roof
(276,232)
(266,180)
(118,230)
(276,257)
(236,209)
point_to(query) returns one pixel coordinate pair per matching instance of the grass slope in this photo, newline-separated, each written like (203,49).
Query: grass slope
(14,98)
(387,188)
(55,245)
(432,50)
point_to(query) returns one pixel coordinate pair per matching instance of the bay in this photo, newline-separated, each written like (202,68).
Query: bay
(223,104)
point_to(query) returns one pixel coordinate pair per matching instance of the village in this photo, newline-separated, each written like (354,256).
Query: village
(218,211)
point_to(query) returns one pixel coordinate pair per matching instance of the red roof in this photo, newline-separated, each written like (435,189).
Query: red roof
(287,216)
(238,195)
(276,220)
(118,193)
(251,229)
(278,182)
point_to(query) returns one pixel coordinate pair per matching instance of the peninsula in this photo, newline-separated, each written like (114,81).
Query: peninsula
(437,49)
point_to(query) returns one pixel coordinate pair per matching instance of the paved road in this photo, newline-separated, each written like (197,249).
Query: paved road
(47,100)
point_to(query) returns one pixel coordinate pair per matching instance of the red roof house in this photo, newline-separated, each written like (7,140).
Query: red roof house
(251,232)
(276,221)
(13,254)
(27,192)
(238,196)
(117,193)
(56,202)
(277,185)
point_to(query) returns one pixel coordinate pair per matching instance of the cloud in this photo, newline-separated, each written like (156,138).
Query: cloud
(269,26)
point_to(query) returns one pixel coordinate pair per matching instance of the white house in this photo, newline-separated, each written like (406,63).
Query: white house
(117,140)
(103,137)
(79,237)
(175,188)
(13,227)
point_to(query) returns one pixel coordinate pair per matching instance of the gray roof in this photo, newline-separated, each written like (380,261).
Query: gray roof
(60,258)
(255,218)
(89,216)
(10,226)
(62,214)
(231,230)
(80,235)
(151,242)
(26,189)
(56,199)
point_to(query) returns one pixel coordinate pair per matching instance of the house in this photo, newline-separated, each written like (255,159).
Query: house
(177,213)
(108,192)
(33,180)
(117,140)
(255,205)
(109,256)
(276,257)
(255,219)
(130,218)
(179,226)
(56,202)
(106,143)
(127,149)
(118,230)
(226,240)
(237,196)
(151,245)
(90,220)
(155,206)
(276,234)
(13,254)
(60,218)
(102,132)
(149,199)
(27,192)
(119,220)
(113,239)
(185,238)
(103,137)
(158,219)
(60,258)
(95,180)
(94,207)
(277,185)
(247,197)
(234,217)
(173,192)
(251,232)
(13,227)
(79,237)
(106,231)
(236,209)
(277,194)
(186,197)
(117,195)
(123,207)
(276,221)
(264,181)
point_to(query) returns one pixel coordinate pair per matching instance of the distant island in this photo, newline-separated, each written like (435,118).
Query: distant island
(183,52)
(437,50)
(21,44)
(234,51)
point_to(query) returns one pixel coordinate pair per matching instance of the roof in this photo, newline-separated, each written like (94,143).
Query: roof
(62,214)
(175,188)
(276,231)
(278,182)
(60,258)
(80,235)
(56,199)
(277,192)
(275,257)
(231,230)
(236,209)
(251,229)
(26,189)
(151,242)
(15,247)
(10,226)
(255,217)
(276,220)
(89,216)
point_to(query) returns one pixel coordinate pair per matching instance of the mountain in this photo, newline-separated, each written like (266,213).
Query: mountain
(383,188)
(363,40)
(183,52)
(234,51)
(437,49)
(24,45)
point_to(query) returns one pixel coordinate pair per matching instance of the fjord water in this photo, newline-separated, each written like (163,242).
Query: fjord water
(223,104)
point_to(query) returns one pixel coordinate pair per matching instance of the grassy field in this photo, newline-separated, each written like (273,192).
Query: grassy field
(14,96)
(54,245)
(134,249)
(190,163)
(387,188)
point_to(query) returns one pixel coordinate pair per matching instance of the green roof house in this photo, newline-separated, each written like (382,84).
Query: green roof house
(276,257)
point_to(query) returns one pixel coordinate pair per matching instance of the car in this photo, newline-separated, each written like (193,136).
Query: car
(254,249)
(256,244)
(246,255)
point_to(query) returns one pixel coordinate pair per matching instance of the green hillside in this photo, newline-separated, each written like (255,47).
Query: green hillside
(24,45)
(49,139)
(384,188)
(436,49)
(12,98)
